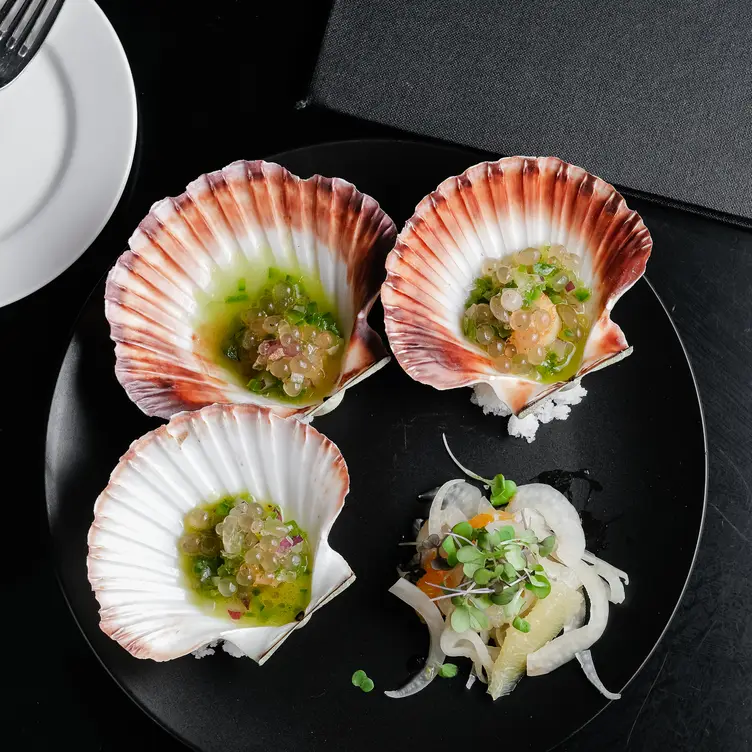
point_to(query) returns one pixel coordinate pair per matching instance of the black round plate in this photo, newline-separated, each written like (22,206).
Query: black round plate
(639,431)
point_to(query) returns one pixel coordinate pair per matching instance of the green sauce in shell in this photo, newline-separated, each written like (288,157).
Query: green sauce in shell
(531,313)
(243,562)
(274,332)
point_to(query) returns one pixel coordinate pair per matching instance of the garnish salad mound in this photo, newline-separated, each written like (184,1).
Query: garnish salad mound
(529,311)
(243,561)
(497,579)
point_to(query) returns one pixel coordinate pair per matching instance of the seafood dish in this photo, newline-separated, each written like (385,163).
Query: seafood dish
(253,286)
(214,527)
(504,280)
(500,579)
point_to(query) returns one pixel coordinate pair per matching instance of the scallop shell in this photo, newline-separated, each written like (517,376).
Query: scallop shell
(491,210)
(261,212)
(197,458)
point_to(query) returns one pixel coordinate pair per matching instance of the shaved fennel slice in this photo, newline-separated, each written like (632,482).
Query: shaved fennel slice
(561,573)
(562,649)
(533,520)
(476,649)
(611,575)
(559,515)
(585,658)
(416,598)
(455,501)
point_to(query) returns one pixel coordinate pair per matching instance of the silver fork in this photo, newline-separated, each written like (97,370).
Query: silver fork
(24,25)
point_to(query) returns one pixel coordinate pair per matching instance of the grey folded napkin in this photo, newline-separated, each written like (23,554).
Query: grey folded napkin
(652,95)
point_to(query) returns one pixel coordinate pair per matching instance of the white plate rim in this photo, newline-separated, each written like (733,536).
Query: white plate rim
(92,20)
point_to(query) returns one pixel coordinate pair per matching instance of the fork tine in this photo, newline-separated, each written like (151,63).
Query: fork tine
(5,8)
(24,28)
(39,26)
(12,18)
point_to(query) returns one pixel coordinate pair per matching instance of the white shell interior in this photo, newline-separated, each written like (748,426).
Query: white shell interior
(199,458)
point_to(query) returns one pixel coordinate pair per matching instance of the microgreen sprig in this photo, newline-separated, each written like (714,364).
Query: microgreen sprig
(498,566)
(502,490)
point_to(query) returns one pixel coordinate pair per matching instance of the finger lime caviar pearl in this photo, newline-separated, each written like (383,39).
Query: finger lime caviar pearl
(281,340)
(531,313)
(242,561)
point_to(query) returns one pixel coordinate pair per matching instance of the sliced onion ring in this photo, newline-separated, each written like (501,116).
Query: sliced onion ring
(416,598)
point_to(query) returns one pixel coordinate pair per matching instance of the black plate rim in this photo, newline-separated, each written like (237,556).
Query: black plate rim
(174,733)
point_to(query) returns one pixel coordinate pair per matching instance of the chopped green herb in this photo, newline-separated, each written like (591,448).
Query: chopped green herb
(238,298)
(448,670)
(223,509)
(241,284)
(543,268)
(367,685)
(359,677)
(582,294)
(531,295)
(294,316)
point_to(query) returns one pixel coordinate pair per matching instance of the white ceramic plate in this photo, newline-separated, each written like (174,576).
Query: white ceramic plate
(67,137)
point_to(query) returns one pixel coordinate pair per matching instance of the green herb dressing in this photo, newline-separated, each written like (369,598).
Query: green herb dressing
(234,290)
(256,605)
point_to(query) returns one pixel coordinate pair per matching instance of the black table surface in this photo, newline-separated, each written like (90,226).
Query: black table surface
(224,84)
